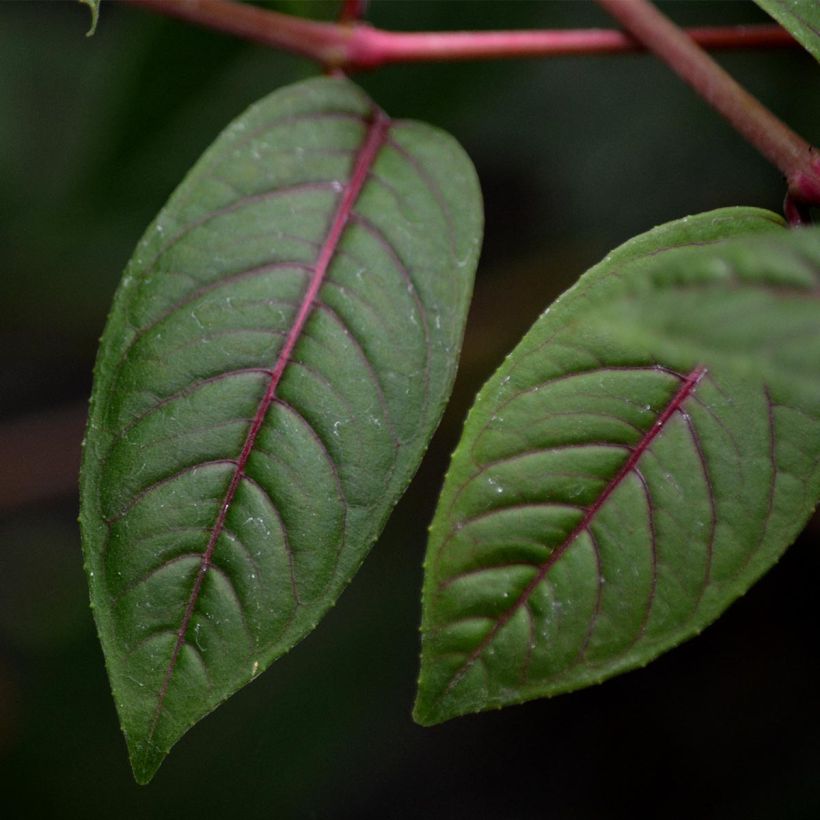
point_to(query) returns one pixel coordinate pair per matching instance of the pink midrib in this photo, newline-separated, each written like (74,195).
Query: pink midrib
(683,393)
(374,139)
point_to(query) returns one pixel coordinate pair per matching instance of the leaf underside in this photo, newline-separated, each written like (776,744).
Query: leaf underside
(645,454)
(278,355)
(801,18)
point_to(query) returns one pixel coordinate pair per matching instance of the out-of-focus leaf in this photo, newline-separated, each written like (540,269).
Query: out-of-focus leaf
(800,17)
(643,456)
(279,353)
(94,8)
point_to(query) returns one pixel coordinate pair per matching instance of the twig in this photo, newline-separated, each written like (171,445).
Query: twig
(354,45)
(797,159)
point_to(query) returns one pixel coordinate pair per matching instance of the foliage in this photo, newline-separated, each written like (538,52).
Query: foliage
(641,458)
(278,356)
(279,353)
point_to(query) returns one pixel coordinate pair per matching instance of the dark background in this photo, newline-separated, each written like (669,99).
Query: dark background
(575,155)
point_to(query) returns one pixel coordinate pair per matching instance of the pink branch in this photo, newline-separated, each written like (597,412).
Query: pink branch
(371,48)
(788,151)
(352,45)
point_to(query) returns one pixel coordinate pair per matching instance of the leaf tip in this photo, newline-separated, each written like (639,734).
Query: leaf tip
(427,710)
(421,716)
(145,760)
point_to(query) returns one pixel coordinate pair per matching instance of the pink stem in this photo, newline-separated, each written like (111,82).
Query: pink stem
(371,48)
(351,45)
(797,159)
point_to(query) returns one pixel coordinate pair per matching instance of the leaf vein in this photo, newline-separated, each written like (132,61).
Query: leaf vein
(674,405)
(375,137)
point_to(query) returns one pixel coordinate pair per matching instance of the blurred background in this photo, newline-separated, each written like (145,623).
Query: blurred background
(575,156)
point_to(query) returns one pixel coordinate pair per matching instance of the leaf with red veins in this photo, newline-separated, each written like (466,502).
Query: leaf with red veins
(279,353)
(645,454)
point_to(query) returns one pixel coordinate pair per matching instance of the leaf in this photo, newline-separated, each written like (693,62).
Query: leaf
(801,18)
(278,355)
(645,454)
(94,8)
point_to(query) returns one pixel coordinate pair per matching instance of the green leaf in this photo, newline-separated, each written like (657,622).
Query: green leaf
(645,454)
(94,8)
(800,17)
(279,353)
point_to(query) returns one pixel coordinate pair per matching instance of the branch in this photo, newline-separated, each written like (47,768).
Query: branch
(354,45)
(797,159)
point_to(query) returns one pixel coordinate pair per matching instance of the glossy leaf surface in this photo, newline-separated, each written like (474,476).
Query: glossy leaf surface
(801,18)
(648,451)
(278,355)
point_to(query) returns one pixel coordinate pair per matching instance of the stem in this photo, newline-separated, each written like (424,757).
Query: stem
(327,43)
(353,45)
(788,151)
(372,47)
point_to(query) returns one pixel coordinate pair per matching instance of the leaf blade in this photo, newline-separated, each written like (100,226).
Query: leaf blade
(576,573)
(277,357)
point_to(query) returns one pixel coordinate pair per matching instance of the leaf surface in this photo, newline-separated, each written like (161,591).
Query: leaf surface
(801,18)
(648,451)
(278,355)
